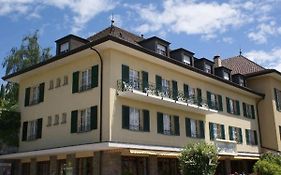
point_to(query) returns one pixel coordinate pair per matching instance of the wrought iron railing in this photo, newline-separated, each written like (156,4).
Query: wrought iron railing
(165,92)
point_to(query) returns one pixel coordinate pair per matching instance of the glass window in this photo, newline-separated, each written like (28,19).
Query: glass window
(49,121)
(25,169)
(134,166)
(195,128)
(280,132)
(161,49)
(58,82)
(186,59)
(136,119)
(166,88)
(34,95)
(84,120)
(57,119)
(63,118)
(51,84)
(61,167)
(32,130)
(65,80)
(64,47)
(86,79)
(233,106)
(251,136)
(226,76)
(217,131)
(277,99)
(241,82)
(168,124)
(208,68)
(235,134)
(134,79)
(168,166)
(43,168)
(84,166)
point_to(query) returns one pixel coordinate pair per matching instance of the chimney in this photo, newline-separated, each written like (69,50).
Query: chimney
(217,61)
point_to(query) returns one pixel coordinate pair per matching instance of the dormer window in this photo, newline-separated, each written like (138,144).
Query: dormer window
(226,76)
(186,60)
(241,82)
(161,49)
(208,68)
(64,47)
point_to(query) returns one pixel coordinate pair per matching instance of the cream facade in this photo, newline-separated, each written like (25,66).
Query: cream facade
(81,135)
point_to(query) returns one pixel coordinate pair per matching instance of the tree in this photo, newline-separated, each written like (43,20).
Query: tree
(269,164)
(198,159)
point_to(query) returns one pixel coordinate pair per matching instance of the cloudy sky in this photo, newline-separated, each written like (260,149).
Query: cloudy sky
(205,27)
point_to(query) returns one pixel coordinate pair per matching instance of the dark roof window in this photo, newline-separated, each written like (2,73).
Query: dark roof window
(161,49)
(64,47)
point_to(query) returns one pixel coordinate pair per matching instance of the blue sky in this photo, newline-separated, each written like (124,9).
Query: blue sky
(207,28)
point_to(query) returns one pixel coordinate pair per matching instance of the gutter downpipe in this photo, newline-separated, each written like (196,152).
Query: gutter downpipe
(101,100)
(259,120)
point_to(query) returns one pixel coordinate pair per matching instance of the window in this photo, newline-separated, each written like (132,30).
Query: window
(248,111)
(241,82)
(251,137)
(32,130)
(84,120)
(226,75)
(63,118)
(165,88)
(58,82)
(49,121)
(134,165)
(65,80)
(161,49)
(280,132)
(64,47)
(34,95)
(25,169)
(168,166)
(86,80)
(135,119)
(57,119)
(134,79)
(216,131)
(194,128)
(208,68)
(84,166)
(233,106)
(167,124)
(61,167)
(43,168)
(235,134)
(277,94)
(214,101)
(51,84)
(186,59)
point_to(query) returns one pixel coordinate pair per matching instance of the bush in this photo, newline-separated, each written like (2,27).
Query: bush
(198,159)
(269,164)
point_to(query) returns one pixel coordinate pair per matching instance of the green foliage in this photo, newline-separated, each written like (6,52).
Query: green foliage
(9,127)
(269,164)
(198,159)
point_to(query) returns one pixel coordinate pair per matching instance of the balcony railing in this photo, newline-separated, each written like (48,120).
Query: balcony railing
(150,89)
(226,147)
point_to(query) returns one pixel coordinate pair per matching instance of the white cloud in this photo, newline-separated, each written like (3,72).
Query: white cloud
(83,10)
(268,59)
(228,40)
(263,31)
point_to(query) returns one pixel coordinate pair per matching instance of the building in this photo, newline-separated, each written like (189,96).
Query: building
(118,103)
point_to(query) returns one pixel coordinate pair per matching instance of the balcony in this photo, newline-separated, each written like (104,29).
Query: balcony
(164,97)
(226,147)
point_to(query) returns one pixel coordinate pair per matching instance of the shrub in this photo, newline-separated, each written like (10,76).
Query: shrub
(198,159)
(269,164)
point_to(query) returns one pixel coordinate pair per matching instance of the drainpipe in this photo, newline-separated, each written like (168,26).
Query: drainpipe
(101,87)
(259,126)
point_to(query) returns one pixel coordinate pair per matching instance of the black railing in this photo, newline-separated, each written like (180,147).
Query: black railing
(165,92)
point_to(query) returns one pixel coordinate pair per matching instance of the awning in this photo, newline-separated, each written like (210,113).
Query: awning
(156,153)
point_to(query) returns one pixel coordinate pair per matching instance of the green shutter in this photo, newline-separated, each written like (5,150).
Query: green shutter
(230,130)
(256,137)
(146,121)
(187,127)
(39,128)
(244,110)
(125,117)
(177,125)
(175,90)
(220,107)
(160,128)
(247,137)
(94,117)
(277,100)
(202,129)
(186,91)
(199,96)
(74,118)
(237,107)
(75,82)
(209,101)
(24,131)
(240,136)
(211,127)
(41,92)
(95,76)
(125,73)
(158,80)
(253,112)
(27,96)
(144,80)
(222,132)
(227,105)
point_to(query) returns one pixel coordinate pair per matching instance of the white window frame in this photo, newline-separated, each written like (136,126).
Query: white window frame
(31,130)
(134,79)
(217,131)
(195,128)
(34,95)
(135,119)
(84,120)
(226,75)
(241,82)
(64,47)
(208,68)
(161,49)
(86,79)
(186,59)
(165,87)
